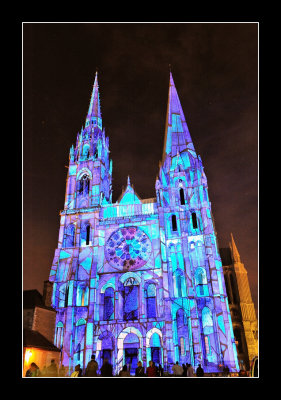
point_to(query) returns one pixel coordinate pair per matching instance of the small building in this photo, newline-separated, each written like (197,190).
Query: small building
(39,328)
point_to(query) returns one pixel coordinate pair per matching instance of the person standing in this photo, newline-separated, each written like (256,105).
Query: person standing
(62,371)
(139,369)
(76,372)
(184,370)
(161,370)
(33,371)
(124,372)
(177,369)
(52,369)
(190,370)
(92,367)
(151,370)
(106,369)
(199,371)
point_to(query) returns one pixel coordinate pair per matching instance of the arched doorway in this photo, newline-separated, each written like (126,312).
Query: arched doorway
(106,347)
(129,349)
(154,346)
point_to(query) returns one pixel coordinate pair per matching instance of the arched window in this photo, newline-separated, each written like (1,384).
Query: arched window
(207,321)
(69,234)
(79,340)
(85,234)
(182,330)
(182,196)
(62,294)
(59,335)
(194,220)
(151,301)
(82,295)
(179,284)
(201,282)
(108,311)
(83,185)
(174,223)
(130,296)
(66,296)
(86,149)
(208,328)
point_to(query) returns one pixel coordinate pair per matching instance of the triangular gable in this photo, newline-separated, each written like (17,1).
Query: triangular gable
(129,196)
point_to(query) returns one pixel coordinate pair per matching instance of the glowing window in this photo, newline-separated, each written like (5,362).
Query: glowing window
(108,312)
(182,346)
(207,345)
(207,321)
(201,282)
(151,301)
(130,297)
(83,185)
(59,335)
(179,285)
(69,234)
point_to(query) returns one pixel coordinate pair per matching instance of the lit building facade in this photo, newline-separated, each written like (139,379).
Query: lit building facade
(140,279)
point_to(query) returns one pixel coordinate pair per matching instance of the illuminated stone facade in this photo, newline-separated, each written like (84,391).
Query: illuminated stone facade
(242,309)
(140,279)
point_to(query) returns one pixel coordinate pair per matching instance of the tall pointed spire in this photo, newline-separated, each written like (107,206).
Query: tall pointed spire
(235,254)
(177,136)
(94,113)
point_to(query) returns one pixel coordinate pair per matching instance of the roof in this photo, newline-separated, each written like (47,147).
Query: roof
(32,298)
(35,339)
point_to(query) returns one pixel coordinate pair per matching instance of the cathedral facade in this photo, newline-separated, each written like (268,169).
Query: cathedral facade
(140,279)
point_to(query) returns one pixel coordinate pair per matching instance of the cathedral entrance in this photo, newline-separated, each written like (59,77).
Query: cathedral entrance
(106,354)
(131,359)
(155,355)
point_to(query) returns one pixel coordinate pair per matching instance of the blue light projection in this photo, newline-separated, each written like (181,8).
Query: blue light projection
(139,279)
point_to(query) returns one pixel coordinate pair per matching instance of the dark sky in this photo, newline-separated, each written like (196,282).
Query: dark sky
(215,69)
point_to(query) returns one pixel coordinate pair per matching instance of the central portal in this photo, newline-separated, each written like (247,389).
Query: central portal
(131,359)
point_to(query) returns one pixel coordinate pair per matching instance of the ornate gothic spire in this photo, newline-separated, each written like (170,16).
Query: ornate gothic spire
(177,136)
(94,113)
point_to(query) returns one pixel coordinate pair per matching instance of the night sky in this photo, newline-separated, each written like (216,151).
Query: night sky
(215,69)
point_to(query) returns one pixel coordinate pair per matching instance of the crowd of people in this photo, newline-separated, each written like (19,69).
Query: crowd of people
(106,370)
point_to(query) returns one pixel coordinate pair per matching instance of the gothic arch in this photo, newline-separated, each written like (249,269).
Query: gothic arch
(120,345)
(127,275)
(82,172)
(150,333)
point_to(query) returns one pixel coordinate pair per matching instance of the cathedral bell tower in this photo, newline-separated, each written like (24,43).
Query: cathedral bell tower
(90,170)
(194,268)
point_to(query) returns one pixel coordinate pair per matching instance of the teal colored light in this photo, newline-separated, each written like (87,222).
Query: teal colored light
(221,323)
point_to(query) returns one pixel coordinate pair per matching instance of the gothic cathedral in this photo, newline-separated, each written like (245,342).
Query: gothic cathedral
(140,279)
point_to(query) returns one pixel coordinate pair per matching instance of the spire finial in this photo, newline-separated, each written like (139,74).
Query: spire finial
(94,113)
(128,181)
